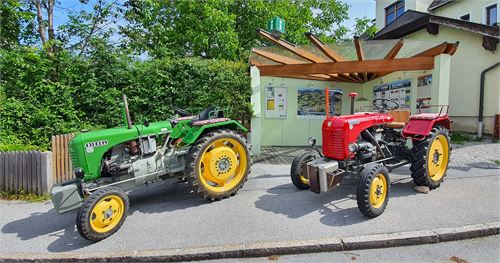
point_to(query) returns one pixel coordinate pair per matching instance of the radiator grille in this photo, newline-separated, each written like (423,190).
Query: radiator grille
(72,156)
(333,144)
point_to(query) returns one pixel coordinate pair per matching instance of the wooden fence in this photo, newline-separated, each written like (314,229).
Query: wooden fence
(30,171)
(61,162)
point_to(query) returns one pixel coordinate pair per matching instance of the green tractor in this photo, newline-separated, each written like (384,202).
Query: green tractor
(206,150)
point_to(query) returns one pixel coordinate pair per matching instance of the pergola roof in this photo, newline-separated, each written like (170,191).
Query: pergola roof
(356,62)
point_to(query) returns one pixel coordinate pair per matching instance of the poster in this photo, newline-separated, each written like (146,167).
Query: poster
(424,91)
(311,102)
(398,91)
(276,102)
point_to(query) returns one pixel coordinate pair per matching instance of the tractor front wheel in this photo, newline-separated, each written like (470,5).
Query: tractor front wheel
(373,190)
(429,158)
(102,213)
(218,164)
(299,179)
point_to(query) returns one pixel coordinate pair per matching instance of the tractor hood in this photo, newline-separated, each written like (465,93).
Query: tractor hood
(87,148)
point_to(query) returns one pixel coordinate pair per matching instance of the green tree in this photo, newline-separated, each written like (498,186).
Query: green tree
(225,28)
(15,23)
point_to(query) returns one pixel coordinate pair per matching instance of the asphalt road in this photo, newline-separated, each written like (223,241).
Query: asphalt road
(485,250)
(268,208)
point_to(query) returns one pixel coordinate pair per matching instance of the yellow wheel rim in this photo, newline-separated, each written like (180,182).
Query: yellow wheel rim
(437,161)
(223,165)
(106,214)
(304,179)
(378,191)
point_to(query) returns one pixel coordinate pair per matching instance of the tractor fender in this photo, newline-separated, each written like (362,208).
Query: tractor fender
(421,125)
(197,130)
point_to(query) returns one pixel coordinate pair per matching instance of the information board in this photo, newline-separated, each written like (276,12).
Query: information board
(276,102)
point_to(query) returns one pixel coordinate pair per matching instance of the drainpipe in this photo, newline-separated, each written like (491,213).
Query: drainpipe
(481,100)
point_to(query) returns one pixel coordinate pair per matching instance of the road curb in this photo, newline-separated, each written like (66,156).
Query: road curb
(268,248)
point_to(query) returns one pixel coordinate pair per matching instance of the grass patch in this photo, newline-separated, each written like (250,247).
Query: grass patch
(23,196)
(460,138)
(497,162)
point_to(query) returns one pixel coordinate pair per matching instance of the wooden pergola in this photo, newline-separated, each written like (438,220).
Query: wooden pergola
(334,67)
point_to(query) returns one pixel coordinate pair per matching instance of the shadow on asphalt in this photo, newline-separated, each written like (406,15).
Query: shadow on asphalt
(158,198)
(51,224)
(334,206)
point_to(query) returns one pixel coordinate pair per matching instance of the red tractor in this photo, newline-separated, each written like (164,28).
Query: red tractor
(370,145)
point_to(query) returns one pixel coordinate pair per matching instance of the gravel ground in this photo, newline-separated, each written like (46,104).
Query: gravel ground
(483,155)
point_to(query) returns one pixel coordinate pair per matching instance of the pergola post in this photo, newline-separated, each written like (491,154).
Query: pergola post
(441,80)
(255,100)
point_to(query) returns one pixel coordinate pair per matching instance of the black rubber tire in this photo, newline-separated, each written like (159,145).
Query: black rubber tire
(419,155)
(194,157)
(296,169)
(363,194)
(83,217)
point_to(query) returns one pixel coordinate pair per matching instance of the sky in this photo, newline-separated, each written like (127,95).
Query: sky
(358,9)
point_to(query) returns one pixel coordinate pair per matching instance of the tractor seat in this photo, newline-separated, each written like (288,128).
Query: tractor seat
(425,116)
(400,119)
(205,115)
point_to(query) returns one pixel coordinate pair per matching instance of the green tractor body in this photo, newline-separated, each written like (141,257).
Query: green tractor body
(206,150)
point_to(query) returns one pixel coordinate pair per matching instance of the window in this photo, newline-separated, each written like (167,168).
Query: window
(491,15)
(465,17)
(394,11)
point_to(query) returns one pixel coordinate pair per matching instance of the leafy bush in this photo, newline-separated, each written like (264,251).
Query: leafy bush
(43,95)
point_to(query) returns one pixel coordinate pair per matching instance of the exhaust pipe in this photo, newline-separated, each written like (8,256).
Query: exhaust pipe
(126,114)
(353,96)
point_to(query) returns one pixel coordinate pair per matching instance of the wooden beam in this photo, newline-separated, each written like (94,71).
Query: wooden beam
(329,52)
(359,51)
(301,76)
(290,47)
(432,28)
(257,63)
(433,51)
(276,57)
(390,55)
(284,60)
(418,63)
(395,50)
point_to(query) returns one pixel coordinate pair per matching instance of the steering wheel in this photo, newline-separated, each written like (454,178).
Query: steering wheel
(385,105)
(181,112)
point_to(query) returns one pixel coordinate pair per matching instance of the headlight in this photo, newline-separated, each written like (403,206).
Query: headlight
(79,173)
(311,141)
(352,147)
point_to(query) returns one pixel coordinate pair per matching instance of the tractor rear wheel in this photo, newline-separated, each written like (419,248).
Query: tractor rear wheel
(102,213)
(218,164)
(373,190)
(299,179)
(430,157)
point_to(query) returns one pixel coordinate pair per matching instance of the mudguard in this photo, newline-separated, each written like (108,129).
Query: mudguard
(420,125)
(198,128)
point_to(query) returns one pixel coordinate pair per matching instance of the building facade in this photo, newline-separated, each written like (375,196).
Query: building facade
(472,23)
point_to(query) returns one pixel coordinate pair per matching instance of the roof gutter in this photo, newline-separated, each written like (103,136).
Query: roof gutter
(481,99)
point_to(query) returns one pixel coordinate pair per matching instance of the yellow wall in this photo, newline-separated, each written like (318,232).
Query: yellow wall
(466,66)
(476,8)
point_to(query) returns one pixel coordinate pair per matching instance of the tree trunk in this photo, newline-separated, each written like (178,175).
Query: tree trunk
(41,30)
(50,12)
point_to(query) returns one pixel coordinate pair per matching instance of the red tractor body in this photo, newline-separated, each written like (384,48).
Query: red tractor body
(371,145)
(339,131)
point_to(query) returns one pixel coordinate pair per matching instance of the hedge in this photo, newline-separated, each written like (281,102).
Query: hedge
(42,95)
